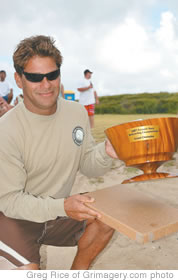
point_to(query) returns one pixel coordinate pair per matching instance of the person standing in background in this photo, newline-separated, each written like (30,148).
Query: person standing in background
(88,96)
(5,91)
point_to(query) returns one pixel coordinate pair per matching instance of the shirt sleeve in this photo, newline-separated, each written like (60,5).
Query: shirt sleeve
(94,160)
(15,202)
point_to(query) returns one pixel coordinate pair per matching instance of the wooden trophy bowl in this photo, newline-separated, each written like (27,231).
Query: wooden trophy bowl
(145,144)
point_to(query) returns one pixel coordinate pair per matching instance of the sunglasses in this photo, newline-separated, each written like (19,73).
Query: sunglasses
(36,78)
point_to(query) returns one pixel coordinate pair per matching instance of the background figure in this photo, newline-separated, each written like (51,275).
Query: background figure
(18,99)
(88,96)
(4,106)
(5,91)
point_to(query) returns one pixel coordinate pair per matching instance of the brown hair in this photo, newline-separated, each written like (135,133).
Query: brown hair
(36,45)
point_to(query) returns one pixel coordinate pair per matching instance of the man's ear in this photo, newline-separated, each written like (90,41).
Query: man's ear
(18,79)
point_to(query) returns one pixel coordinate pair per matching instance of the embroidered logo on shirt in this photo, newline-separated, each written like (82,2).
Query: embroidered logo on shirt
(78,135)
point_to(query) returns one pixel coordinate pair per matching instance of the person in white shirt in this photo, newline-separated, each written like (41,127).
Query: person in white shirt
(5,91)
(88,96)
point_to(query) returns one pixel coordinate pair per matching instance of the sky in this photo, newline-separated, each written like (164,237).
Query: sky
(131,46)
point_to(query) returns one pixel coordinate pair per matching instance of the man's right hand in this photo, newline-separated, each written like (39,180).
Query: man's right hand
(75,207)
(91,85)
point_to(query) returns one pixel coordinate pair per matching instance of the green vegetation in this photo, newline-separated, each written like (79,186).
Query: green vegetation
(142,103)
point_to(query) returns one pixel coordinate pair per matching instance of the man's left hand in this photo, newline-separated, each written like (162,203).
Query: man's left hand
(97,101)
(110,150)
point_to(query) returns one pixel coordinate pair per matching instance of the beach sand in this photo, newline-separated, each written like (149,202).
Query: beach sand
(122,252)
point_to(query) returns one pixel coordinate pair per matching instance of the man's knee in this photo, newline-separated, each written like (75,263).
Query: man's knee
(105,229)
(100,225)
(30,266)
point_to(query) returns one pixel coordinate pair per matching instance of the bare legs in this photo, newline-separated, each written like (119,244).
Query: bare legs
(92,242)
(91,119)
(30,266)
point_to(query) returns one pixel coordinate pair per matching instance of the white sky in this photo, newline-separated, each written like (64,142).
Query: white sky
(131,46)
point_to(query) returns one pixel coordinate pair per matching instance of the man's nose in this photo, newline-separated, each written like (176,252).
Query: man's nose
(45,82)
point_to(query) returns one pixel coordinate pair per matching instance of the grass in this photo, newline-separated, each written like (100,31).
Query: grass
(169,163)
(104,121)
(131,170)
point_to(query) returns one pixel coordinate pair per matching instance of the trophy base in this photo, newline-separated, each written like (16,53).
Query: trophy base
(152,176)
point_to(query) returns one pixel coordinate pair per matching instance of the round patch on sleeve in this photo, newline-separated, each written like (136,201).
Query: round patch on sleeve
(78,135)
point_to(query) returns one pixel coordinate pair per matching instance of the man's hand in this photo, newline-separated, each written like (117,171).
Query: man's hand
(110,150)
(75,207)
(91,85)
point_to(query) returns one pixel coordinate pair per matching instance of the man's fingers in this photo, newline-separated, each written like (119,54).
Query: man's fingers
(75,207)
(87,199)
(85,209)
(81,210)
(82,216)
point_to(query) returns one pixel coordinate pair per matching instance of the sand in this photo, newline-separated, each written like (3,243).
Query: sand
(122,252)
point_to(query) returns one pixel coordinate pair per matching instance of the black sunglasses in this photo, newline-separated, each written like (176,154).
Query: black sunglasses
(36,78)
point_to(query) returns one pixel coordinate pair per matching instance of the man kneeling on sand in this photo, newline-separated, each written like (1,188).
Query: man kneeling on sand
(44,142)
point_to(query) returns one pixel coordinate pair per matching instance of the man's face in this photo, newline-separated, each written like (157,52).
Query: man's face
(2,76)
(40,97)
(88,75)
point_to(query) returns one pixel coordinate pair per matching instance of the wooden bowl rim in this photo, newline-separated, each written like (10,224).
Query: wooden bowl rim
(140,120)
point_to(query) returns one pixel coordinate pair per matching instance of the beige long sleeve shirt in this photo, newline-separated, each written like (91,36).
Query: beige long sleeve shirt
(39,159)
